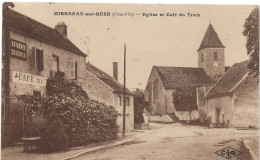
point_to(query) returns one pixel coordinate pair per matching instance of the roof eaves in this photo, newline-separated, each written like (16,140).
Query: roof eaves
(209,47)
(219,95)
(99,79)
(232,89)
(128,93)
(217,82)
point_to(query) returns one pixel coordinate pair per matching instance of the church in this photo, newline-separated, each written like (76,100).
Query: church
(164,80)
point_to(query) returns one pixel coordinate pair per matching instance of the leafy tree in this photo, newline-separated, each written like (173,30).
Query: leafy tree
(251,31)
(139,105)
(185,100)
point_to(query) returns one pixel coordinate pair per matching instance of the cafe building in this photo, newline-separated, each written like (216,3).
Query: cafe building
(31,53)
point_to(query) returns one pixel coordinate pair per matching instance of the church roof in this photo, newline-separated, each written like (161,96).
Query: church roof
(229,81)
(106,78)
(211,39)
(184,77)
(36,30)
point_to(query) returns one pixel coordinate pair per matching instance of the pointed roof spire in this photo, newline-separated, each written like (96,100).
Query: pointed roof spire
(210,39)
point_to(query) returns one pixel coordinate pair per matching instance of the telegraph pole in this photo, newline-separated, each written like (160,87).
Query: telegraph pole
(124,91)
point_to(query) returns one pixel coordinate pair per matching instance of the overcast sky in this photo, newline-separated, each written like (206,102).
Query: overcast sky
(161,41)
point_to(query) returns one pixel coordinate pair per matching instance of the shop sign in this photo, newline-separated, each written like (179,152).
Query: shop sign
(18,49)
(25,78)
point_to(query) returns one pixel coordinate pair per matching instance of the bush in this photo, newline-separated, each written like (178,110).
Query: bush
(54,137)
(86,120)
(98,124)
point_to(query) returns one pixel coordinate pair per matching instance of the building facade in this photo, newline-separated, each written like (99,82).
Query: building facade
(32,53)
(104,88)
(234,99)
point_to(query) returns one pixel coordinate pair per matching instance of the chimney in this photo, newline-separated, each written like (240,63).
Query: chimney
(115,71)
(62,29)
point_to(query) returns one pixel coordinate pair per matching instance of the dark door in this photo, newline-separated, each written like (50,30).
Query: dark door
(217,115)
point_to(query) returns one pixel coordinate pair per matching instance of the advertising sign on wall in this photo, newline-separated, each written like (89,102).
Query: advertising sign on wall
(18,49)
(25,78)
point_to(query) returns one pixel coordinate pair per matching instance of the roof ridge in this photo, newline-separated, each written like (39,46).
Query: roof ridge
(32,19)
(179,67)
(172,77)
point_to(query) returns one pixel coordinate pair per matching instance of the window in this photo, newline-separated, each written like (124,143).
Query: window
(127,101)
(215,56)
(73,70)
(201,57)
(37,58)
(55,63)
(119,101)
(37,93)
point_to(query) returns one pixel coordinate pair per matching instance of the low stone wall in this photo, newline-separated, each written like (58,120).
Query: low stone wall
(185,115)
(146,117)
(142,126)
(164,119)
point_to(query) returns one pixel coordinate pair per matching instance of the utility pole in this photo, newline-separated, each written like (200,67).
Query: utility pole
(124,91)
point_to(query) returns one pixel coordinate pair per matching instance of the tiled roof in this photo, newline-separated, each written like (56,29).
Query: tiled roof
(39,31)
(226,83)
(107,79)
(184,77)
(210,39)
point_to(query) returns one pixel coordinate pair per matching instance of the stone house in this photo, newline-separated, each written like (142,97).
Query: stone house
(164,80)
(234,99)
(104,88)
(32,52)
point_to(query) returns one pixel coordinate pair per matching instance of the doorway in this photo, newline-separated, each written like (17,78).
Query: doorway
(217,115)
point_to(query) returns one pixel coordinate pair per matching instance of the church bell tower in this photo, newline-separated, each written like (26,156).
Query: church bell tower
(211,54)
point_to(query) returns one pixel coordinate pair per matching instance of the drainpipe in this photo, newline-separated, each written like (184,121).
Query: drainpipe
(6,77)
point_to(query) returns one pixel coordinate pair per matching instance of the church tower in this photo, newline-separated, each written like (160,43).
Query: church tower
(211,54)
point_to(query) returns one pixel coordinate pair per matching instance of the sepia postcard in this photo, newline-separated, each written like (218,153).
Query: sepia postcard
(117,81)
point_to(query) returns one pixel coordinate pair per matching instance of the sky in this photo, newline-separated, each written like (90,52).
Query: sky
(150,41)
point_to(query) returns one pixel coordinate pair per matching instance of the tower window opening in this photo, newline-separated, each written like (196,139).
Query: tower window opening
(215,56)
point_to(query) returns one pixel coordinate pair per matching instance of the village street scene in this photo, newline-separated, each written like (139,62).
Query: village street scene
(129,82)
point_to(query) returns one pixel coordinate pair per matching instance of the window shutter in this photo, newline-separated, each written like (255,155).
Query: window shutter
(71,70)
(58,63)
(33,58)
(41,66)
(76,70)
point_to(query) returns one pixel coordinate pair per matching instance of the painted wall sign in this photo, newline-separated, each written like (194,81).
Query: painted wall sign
(19,77)
(18,49)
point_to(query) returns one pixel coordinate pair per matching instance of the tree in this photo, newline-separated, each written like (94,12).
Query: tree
(251,31)
(139,105)
(184,100)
